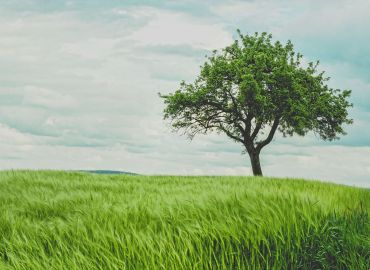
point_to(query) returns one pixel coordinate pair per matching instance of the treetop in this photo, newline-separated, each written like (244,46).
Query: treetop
(257,86)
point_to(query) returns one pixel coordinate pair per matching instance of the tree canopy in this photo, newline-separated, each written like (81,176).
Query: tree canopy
(254,88)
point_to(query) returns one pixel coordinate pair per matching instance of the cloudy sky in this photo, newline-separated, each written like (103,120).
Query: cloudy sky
(79,83)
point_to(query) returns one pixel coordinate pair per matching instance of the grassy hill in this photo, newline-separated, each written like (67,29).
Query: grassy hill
(60,220)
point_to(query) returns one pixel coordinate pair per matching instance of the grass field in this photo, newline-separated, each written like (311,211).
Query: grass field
(60,220)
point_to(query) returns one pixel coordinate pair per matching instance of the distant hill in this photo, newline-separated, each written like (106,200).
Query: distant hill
(107,172)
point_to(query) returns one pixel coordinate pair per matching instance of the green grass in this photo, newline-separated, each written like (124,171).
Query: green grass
(59,220)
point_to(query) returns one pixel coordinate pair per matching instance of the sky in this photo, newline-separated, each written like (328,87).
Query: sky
(79,83)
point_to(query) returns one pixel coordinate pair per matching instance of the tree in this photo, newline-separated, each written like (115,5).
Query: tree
(254,88)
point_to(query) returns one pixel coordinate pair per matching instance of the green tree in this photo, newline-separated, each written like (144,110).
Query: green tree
(254,88)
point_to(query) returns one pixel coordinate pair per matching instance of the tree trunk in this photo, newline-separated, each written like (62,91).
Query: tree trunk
(256,165)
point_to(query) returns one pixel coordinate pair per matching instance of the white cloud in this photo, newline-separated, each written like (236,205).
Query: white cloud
(48,98)
(330,19)
(175,28)
(340,164)
(258,11)
(92,48)
(12,136)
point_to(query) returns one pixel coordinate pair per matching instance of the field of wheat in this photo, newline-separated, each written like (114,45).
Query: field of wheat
(69,220)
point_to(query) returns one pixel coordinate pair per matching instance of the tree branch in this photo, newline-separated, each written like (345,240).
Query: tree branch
(219,126)
(256,130)
(225,110)
(248,126)
(238,114)
(265,142)
(228,133)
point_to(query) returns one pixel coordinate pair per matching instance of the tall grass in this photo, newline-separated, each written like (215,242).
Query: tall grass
(60,220)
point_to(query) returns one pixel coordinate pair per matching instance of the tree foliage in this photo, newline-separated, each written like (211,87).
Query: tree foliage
(252,89)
